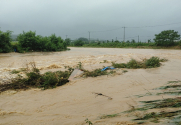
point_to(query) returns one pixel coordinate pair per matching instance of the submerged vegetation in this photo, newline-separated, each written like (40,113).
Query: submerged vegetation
(34,79)
(172,104)
(94,73)
(109,116)
(147,63)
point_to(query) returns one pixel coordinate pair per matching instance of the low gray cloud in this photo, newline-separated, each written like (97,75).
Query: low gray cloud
(103,18)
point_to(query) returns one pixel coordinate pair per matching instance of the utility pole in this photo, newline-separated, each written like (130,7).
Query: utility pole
(124,33)
(89,37)
(138,38)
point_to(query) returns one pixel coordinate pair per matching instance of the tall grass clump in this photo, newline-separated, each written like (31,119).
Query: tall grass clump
(134,64)
(94,73)
(152,62)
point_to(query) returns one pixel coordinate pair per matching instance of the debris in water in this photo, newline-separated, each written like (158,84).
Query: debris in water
(108,67)
(75,73)
(101,95)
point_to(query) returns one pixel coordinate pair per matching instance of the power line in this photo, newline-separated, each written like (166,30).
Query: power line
(78,34)
(124,29)
(106,30)
(137,27)
(156,25)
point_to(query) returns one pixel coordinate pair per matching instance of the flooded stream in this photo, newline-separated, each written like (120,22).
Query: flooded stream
(72,103)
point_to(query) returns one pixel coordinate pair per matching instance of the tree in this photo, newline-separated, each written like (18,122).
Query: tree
(27,40)
(127,41)
(133,41)
(78,43)
(116,41)
(5,38)
(166,38)
(68,41)
(83,39)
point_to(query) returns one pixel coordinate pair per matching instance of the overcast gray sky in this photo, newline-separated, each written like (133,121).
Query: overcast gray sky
(103,18)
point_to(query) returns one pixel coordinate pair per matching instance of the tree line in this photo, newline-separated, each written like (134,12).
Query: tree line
(164,39)
(29,41)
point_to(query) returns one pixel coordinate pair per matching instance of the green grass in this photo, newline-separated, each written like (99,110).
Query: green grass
(154,115)
(133,64)
(172,104)
(89,122)
(105,61)
(15,71)
(170,93)
(124,71)
(14,42)
(109,116)
(170,86)
(170,82)
(94,73)
(174,88)
(164,103)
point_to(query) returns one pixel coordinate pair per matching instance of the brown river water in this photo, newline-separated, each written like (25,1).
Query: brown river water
(72,103)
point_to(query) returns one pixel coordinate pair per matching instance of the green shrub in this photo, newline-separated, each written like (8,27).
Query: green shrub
(15,71)
(152,62)
(35,79)
(94,73)
(5,45)
(119,65)
(78,43)
(133,64)
(53,79)
(29,41)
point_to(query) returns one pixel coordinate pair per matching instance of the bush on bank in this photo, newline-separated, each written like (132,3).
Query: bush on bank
(29,41)
(5,45)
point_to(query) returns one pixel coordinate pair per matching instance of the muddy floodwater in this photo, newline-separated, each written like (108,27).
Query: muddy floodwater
(72,103)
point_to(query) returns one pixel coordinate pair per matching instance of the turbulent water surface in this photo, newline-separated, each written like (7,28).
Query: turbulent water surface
(74,102)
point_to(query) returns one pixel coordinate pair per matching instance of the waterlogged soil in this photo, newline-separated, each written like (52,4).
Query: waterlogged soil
(76,101)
